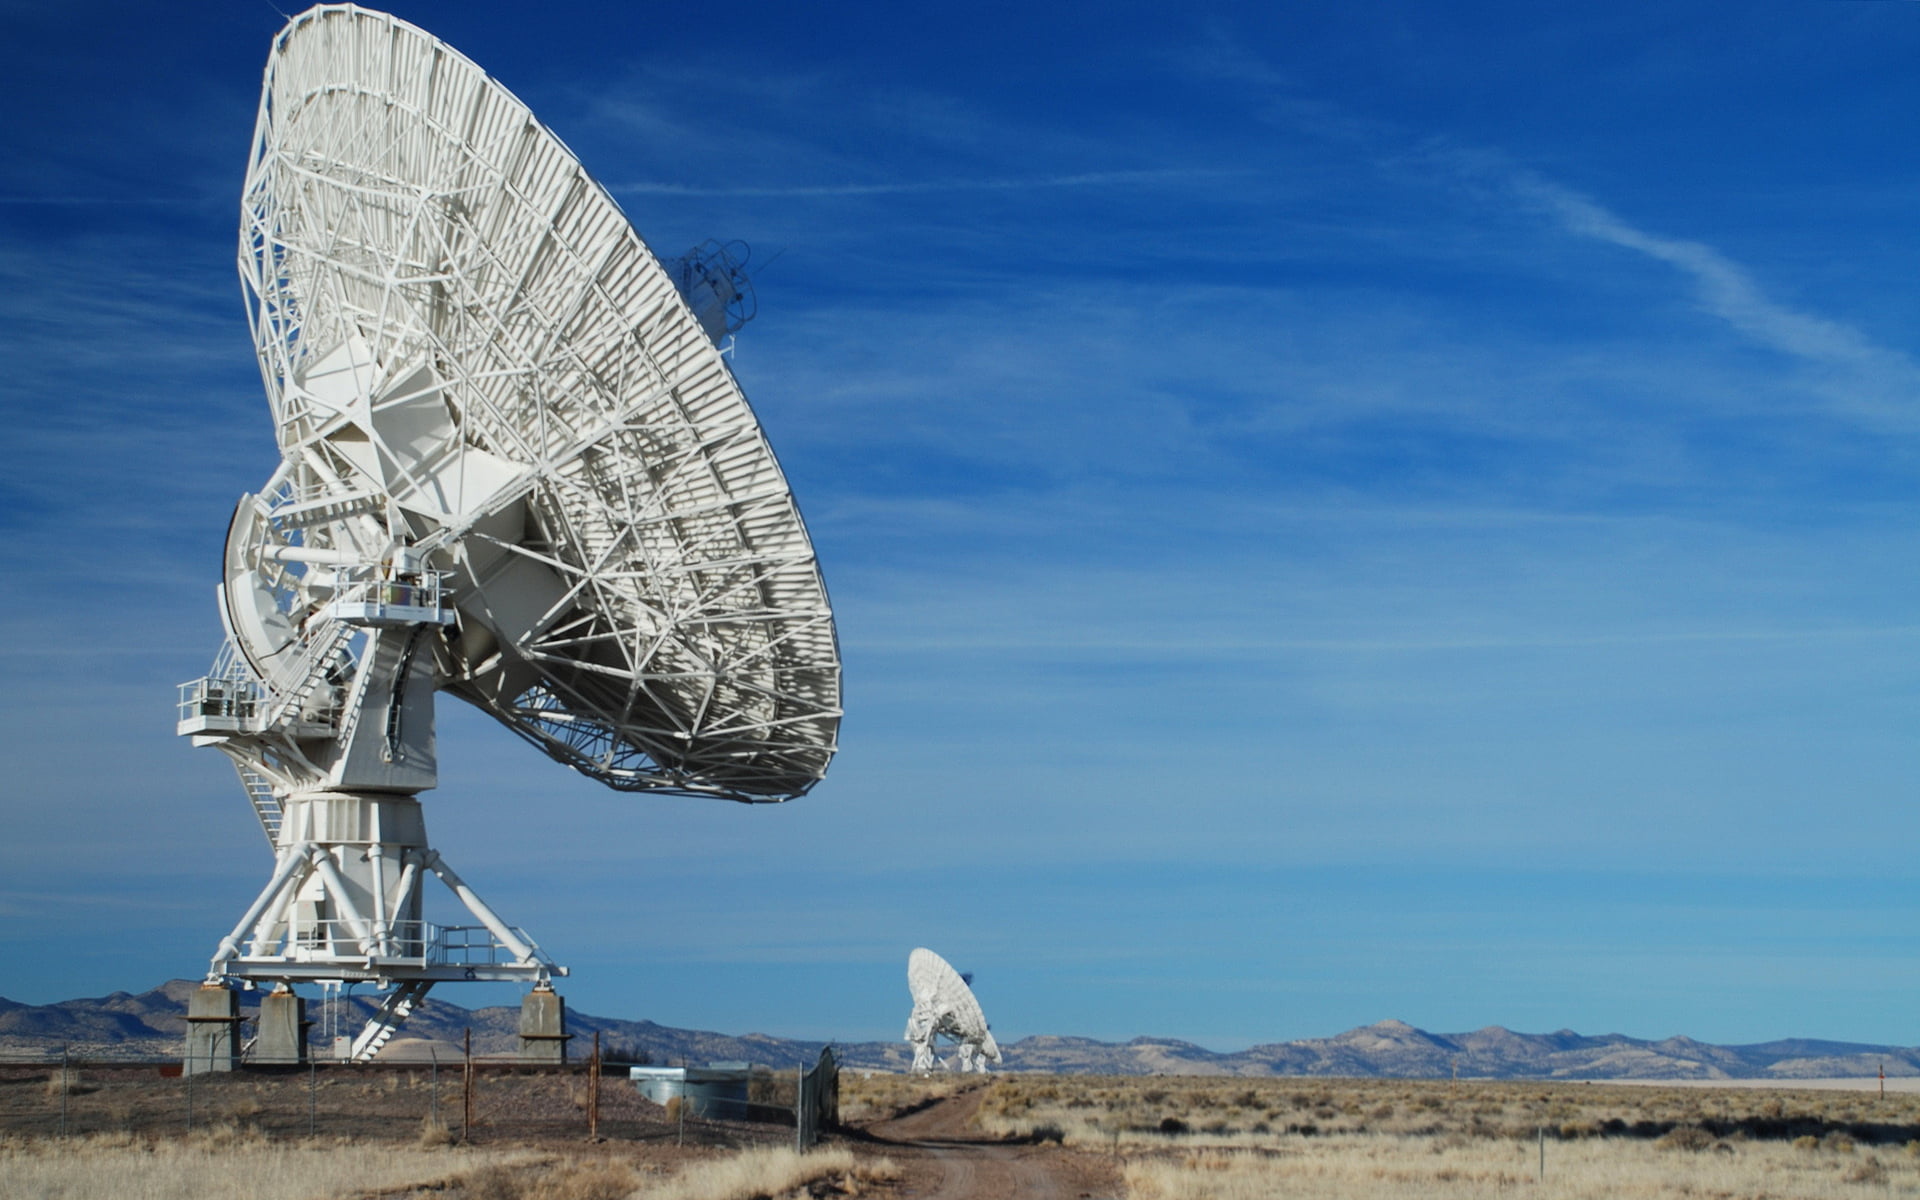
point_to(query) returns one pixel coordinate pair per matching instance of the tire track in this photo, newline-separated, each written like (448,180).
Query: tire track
(968,1167)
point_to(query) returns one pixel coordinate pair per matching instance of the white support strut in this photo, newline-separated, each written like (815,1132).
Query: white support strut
(478,907)
(290,861)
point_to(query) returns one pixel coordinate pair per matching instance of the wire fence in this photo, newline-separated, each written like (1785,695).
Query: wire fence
(475,1100)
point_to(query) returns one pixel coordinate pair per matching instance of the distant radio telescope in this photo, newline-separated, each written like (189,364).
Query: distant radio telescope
(944,1006)
(515,468)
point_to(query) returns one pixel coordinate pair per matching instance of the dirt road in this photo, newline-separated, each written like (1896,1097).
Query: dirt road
(947,1160)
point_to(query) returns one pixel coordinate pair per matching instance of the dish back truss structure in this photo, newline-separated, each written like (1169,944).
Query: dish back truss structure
(516,468)
(944,1006)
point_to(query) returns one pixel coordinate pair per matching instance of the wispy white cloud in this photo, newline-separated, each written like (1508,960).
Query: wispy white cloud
(1887,380)
(1850,371)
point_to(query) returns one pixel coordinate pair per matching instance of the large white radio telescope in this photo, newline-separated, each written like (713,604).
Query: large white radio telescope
(944,1006)
(516,468)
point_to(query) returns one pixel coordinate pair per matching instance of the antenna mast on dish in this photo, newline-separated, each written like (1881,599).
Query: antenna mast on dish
(514,468)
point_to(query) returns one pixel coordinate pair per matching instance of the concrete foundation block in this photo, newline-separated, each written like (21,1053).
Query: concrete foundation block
(213,1030)
(543,1026)
(283,1029)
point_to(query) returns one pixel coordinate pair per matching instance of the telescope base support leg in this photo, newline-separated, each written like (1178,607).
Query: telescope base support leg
(213,1030)
(283,1028)
(543,1027)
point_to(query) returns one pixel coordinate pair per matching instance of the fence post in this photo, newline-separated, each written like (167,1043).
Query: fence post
(313,1098)
(466,1098)
(66,1080)
(189,1074)
(433,1100)
(593,1091)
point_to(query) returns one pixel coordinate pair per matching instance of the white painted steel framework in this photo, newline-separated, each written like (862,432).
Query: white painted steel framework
(944,1006)
(514,466)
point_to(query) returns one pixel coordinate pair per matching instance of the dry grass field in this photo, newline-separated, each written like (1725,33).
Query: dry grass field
(225,1164)
(129,1133)
(1228,1138)
(1153,1138)
(869,1096)
(222,1161)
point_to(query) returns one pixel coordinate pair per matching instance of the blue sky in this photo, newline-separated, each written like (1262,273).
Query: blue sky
(1335,511)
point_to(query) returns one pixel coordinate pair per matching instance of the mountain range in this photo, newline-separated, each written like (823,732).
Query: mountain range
(149,1025)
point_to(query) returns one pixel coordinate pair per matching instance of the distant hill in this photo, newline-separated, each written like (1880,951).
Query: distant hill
(148,1026)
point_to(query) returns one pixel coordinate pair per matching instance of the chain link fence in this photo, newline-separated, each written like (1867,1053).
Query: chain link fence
(475,1100)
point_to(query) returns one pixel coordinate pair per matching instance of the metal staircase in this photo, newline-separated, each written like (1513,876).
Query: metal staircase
(291,685)
(387,654)
(387,1019)
(266,805)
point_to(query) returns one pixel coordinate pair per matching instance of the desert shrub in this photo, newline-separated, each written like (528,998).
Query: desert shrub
(585,1181)
(1806,1141)
(767,1088)
(66,1081)
(1686,1137)
(489,1183)
(225,1135)
(1870,1171)
(767,1171)
(1837,1142)
(434,1134)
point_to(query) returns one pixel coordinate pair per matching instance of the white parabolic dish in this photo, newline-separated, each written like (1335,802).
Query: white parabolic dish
(514,467)
(468,349)
(943,1004)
